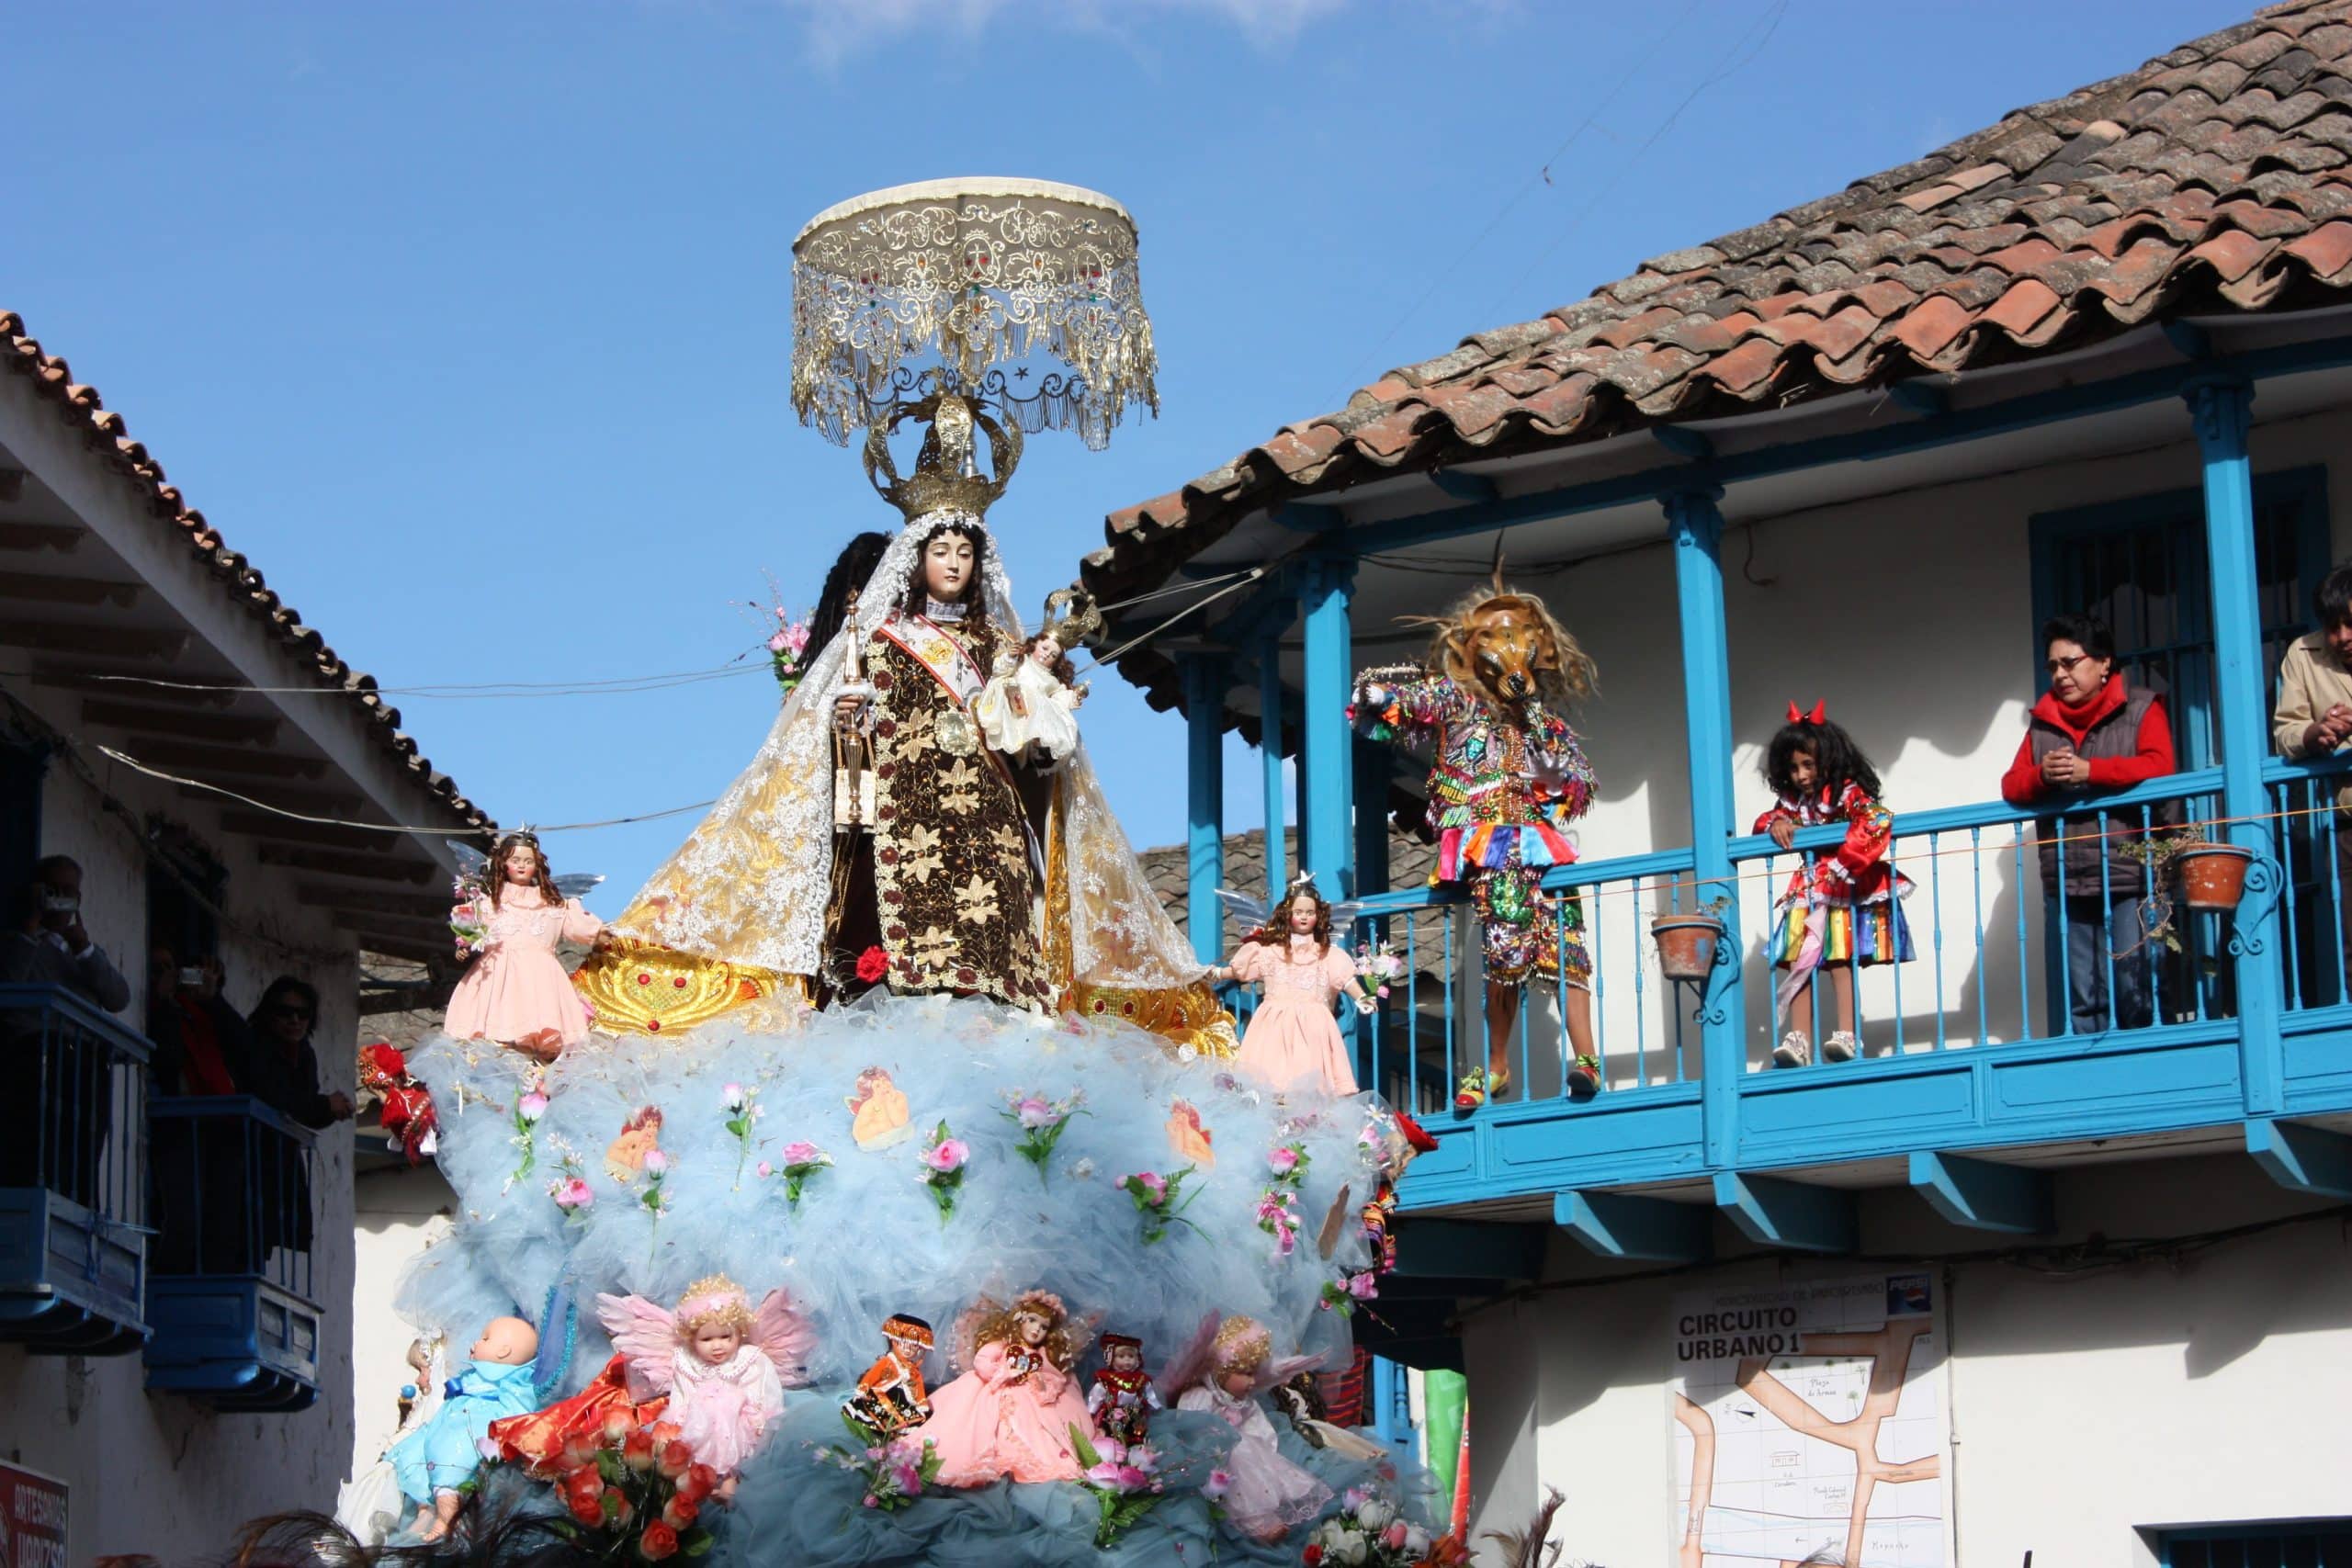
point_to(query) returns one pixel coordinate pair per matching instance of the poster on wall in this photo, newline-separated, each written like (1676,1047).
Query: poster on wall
(32,1519)
(1810,1417)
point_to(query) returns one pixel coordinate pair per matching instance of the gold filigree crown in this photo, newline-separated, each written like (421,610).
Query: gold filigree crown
(947,477)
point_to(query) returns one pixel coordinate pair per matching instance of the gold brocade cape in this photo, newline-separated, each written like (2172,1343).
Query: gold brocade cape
(736,917)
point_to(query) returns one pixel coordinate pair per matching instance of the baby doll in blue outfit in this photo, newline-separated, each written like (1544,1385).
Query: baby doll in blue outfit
(439,1457)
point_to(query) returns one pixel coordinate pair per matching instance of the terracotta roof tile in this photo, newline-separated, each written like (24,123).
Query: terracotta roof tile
(22,355)
(2218,176)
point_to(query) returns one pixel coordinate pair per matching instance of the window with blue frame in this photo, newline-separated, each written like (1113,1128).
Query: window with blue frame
(2139,565)
(2310,1544)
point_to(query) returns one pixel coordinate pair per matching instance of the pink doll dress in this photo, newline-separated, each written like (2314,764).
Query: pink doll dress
(722,1412)
(1270,1496)
(991,1423)
(517,988)
(1293,1042)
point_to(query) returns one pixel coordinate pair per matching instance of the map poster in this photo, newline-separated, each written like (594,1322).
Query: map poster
(1810,1418)
(32,1519)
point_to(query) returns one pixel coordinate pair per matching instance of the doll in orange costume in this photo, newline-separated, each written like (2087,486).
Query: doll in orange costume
(1009,1417)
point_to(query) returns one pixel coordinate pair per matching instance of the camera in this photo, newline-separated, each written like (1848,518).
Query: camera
(192,976)
(60,904)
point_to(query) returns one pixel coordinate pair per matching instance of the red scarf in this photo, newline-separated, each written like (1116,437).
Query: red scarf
(207,1072)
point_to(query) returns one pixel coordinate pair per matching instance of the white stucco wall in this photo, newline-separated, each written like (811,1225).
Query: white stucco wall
(2086,1410)
(155,1474)
(398,1213)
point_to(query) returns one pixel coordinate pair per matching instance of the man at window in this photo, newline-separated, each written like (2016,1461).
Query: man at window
(2087,736)
(2314,719)
(54,1085)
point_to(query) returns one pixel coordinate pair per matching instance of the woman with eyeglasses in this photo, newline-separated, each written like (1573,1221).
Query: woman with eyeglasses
(285,1073)
(2089,736)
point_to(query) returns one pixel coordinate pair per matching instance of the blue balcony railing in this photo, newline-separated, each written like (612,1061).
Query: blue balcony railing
(72,1176)
(237,1320)
(1993,1034)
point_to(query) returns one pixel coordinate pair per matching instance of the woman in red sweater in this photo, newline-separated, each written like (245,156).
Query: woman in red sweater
(2090,735)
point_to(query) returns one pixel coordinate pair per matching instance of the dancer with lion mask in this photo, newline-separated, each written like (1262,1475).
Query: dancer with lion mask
(1506,776)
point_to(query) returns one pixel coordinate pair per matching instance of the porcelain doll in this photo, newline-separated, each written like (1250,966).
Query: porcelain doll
(436,1460)
(1292,1043)
(724,1365)
(515,990)
(1270,1496)
(1009,1417)
(1123,1397)
(890,1396)
(1028,709)
(369,1505)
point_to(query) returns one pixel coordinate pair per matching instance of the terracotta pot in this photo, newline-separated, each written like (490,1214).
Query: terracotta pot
(1686,945)
(2212,876)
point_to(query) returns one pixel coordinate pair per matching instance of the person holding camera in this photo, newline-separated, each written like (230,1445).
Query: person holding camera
(54,1085)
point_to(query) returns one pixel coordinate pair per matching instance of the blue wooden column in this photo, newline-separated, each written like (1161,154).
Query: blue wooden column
(1695,526)
(1204,836)
(1391,1397)
(2222,407)
(1269,760)
(1326,825)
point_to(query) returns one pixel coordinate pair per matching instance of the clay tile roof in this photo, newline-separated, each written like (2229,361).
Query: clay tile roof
(21,355)
(2218,176)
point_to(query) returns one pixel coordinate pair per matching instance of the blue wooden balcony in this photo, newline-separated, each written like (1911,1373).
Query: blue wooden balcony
(1975,1075)
(72,1176)
(236,1324)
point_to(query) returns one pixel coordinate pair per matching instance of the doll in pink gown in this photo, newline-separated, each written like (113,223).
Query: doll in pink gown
(724,1365)
(515,991)
(1269,1496)
(1292,1043)
(1010,1416)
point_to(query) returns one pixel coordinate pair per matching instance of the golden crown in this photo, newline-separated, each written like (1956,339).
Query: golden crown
(947,476)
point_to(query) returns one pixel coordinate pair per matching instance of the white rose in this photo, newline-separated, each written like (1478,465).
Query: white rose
(1375,1514)
(1417,1541)
(1350,1548)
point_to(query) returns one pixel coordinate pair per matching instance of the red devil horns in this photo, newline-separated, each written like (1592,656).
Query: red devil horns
(1820,714)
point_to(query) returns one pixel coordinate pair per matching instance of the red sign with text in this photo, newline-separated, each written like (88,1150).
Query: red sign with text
(32,1519)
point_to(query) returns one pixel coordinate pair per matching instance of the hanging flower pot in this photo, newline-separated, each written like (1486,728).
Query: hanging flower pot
(2212,876)
(1686,945)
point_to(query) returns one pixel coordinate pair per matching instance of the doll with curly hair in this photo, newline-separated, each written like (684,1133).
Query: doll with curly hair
(1009,1417)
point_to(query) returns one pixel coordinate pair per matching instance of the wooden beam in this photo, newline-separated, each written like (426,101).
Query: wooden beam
(1773,1212)
(67,589)
(1468,1250)
(367,902)
(1475,489)
(1984,1195)
(117,642)
(60,538)
(249,729)
(1634,1228)
(381,866)
(285,797)
(211,763)
(285,830)
(2302,1158)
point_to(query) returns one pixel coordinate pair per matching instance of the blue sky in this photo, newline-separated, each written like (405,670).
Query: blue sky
(469,323)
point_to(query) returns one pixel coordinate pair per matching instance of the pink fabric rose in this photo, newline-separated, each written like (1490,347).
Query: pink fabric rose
(799,1152)
(947,1155)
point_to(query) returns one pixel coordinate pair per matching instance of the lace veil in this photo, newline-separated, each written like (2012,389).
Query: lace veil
(751,886)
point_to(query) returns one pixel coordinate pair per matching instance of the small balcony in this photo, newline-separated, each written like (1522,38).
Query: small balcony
(72,1176)
(1986,1059)
(234,1314)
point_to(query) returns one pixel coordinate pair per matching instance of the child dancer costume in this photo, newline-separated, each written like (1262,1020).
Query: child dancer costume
(1293,1042)
(1815,921)
(1503,788)
(517,990)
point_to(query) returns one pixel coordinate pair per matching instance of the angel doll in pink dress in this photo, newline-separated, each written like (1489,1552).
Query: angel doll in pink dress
(724,1365)
(1292,1043)
(1009,1417)
(515,991)
(1229,1365)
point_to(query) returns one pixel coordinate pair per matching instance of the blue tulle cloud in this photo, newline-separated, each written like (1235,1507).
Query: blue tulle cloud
(867,1239)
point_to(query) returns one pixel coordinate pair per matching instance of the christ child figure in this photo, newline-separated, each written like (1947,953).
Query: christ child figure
(890,1396)
(1123,1397)
(724,1365)
(1009,1417)
(1029,707)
